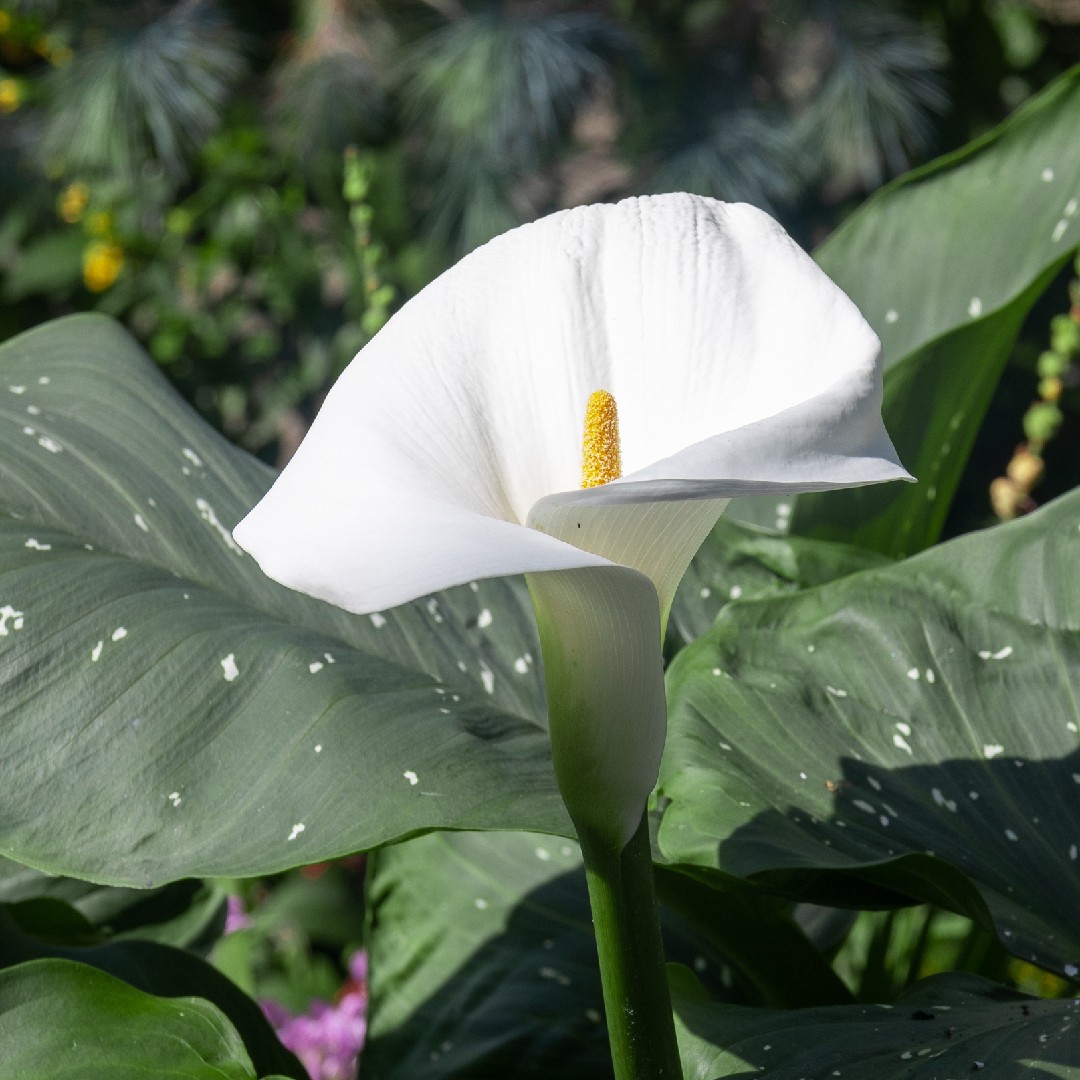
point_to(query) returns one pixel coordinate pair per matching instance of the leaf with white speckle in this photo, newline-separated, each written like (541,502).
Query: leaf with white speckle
(975,764)
(766,565)
(10,619)
(945,1026)
(173,625)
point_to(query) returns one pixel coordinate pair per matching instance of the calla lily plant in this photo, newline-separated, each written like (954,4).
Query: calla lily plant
(577,401)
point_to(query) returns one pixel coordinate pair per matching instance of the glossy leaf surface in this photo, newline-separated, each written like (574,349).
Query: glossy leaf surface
(913,727)
(169,712)
(947,1026)
(109,1030)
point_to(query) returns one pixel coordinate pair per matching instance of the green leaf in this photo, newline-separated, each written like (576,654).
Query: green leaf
(148,967)
(757,936)
(744,562)
(59,1019)
(170,712)
(52,921)
(483,961)
(945,263)
(188,914)
(946,1026)
(913,728)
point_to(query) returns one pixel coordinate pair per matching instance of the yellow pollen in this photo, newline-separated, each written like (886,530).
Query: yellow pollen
(601,461)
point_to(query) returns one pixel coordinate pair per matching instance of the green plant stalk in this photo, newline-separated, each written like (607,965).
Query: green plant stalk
(641,1027)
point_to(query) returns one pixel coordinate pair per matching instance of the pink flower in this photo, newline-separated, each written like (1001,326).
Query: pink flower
(236,918)
(328,1038)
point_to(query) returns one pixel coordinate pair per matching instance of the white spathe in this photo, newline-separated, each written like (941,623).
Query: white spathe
(450,449)
(737,365)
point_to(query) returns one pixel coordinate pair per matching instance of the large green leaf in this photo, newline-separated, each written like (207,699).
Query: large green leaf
(62,1020)
(744,562)
(945,263)
(167,710)
(914,727)
(947,1026)
(483,959)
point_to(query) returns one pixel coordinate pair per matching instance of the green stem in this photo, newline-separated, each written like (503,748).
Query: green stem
(636,998)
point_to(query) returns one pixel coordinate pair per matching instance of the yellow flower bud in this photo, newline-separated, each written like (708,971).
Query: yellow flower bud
(73,202)
(102,263)
(1025,470)
(1006,498)
(10,95)
(1050,388)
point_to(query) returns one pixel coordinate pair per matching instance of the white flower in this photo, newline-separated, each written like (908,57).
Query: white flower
(451,448)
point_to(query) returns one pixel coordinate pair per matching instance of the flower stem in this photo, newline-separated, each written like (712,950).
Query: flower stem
(636,998)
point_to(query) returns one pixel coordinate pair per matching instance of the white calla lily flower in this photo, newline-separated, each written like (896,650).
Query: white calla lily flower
(451,448)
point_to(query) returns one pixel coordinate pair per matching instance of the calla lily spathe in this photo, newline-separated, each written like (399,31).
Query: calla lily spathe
(450,449)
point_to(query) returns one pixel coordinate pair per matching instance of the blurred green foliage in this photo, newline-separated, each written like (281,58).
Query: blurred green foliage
(293,941)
